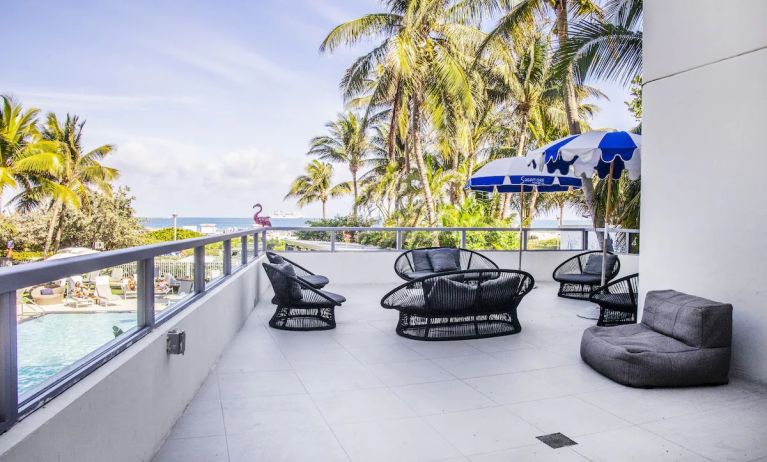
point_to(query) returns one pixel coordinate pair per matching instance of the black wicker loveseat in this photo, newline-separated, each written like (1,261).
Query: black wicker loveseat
(418,263)
(315,280)
(618,301)
(460,305)
(300,306)
(580,275)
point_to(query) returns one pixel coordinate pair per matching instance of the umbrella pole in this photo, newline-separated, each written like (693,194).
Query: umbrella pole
(521,218)
(607,218)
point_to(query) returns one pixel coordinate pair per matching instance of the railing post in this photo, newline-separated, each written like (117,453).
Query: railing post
(244,250)
(145,291)
(399,239)
(255,245)
(264,244)
(463,238)
(524,239)
(9,382)
(333,241)
(585,239)
(199,269)
(227,257)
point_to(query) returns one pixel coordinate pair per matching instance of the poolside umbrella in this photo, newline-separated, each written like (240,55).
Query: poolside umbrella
(518,175)
(606,154)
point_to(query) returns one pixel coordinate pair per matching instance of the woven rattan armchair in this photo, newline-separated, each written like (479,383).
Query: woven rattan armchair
(315,280)
(581,274)
(300,306)
(618,301)
(405,266)
(460,305)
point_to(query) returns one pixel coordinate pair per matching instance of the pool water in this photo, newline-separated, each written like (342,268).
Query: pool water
(52,342)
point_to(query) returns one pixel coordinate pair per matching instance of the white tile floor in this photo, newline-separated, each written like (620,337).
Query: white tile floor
(362,393)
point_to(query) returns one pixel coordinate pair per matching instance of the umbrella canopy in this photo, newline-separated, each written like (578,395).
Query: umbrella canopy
(71,252)
(515,174)
(606,154)
(518,175)
(592,153)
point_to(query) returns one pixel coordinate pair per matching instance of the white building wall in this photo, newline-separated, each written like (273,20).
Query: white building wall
(704,213)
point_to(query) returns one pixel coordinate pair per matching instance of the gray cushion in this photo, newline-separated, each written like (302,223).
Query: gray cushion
(274,258)
(293,288)
(420,274)
(46,291)
(446,295)
(693,320)
(498,292)
(594,264)
(580,278)
(445,259)
(316,280)
(421,260)
(682,341)
(337,298)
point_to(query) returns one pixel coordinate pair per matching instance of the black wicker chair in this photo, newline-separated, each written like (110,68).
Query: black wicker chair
(405,266)
(460,305)
(300,306)
(315,280)
(618,301)
(577,278)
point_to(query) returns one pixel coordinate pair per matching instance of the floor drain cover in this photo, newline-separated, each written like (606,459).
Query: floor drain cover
(556,440)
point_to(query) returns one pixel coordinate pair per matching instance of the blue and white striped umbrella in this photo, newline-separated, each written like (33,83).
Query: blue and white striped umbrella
(592,152)
(516,174)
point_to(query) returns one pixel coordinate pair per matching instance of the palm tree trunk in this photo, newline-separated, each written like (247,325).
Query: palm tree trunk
(561,213)
(522,135)
(428,198)
(393,124)
(573,119)
(55,211)
(505,211)
(531,208)
(57,242)
(354,191)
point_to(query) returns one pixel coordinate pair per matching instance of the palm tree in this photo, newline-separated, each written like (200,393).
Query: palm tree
(415,70)
(70,184)
(527,15)
(22,149)
(610,49)
(346,143)
(316,186)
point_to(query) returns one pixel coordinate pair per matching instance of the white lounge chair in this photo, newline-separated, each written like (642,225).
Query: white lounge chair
(72,289)
(104,291)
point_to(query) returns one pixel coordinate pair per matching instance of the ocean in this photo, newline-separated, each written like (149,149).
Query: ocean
(233,223)
(222,224)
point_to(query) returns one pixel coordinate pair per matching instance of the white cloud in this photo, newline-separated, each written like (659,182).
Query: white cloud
(97,99)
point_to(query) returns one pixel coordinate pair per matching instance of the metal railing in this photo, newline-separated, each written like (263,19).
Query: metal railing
(628,238)
(24,276)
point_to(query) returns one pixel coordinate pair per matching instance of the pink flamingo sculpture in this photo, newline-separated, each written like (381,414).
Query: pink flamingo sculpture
(261,221)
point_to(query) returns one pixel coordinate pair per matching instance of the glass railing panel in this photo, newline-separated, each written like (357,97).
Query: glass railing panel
(361,241)
(493,240)
(61,322)
(214,261)
(173,279)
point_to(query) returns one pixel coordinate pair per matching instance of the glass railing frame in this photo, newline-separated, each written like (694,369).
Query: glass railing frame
(12,409)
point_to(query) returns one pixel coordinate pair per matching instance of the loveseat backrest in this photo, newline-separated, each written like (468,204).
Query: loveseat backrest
(692,320)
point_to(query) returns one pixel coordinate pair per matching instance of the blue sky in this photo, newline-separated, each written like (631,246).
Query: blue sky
(211,104)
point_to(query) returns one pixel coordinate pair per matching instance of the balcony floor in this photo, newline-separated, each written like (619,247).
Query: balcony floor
(362,393)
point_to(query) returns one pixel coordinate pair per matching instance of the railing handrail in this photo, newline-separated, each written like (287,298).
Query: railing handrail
(40,272)
(441,229)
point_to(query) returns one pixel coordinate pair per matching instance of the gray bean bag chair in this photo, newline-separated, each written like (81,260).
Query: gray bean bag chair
(682,340)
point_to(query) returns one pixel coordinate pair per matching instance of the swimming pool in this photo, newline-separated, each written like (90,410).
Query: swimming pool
(52,342)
